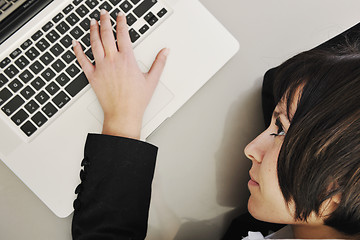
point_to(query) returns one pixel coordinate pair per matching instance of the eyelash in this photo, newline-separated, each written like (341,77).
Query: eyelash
(281,131)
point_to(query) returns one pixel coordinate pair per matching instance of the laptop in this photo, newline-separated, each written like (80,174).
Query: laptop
(48,107)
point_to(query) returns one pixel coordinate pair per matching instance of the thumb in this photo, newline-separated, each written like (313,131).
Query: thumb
(158,66)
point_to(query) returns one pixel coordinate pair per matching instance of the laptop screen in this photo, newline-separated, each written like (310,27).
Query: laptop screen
(15,13)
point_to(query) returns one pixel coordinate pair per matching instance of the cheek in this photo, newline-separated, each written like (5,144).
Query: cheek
(268,204)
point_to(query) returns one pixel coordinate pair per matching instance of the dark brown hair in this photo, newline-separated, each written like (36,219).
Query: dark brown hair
(320,155)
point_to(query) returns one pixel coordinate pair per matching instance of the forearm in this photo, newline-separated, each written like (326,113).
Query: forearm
(115,191)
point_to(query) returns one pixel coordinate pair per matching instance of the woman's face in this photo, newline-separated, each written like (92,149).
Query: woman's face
(266,202)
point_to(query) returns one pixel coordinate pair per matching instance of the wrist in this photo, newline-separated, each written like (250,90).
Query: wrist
(122,126)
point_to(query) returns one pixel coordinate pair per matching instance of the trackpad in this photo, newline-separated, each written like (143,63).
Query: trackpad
(162,97)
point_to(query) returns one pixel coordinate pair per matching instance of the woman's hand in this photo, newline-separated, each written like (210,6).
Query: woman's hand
(121,88)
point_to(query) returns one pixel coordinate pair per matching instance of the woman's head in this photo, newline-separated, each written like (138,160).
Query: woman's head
(310,168)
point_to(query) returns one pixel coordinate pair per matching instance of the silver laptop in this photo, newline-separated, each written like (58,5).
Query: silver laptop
(47,105)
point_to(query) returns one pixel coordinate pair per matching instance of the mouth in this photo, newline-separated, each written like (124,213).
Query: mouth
(252,181)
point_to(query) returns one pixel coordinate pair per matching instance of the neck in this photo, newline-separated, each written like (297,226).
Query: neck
(316,232)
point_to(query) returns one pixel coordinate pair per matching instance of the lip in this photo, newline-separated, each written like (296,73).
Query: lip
(252,181)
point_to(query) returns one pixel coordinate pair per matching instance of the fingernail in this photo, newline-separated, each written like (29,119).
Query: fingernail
(166,52)
(74,43)
(102,11)
(120,14)
(92,22)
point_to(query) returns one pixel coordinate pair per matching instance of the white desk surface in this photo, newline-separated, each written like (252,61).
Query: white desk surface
(202,173)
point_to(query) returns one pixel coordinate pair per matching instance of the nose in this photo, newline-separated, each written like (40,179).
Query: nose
(256,149)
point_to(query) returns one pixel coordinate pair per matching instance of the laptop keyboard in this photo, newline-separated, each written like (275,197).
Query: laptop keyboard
(40,77)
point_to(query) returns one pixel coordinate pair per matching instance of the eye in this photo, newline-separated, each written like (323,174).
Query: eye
(280,127)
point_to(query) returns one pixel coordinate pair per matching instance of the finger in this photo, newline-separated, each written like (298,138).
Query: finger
(106,32)
(158,65)
(122,33)
(95,41)
(84,62)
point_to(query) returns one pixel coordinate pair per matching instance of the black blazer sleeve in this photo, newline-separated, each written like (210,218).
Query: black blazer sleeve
(114,196)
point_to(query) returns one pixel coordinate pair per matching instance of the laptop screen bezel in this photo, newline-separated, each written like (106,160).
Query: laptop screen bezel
(20,16)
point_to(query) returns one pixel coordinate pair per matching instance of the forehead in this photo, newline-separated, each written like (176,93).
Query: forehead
(282,106)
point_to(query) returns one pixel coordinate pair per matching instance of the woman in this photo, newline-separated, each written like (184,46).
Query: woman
(306,165)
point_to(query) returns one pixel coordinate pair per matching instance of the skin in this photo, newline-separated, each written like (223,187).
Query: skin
(266,201)
(121,88)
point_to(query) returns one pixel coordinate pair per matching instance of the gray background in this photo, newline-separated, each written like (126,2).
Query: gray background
(201,176)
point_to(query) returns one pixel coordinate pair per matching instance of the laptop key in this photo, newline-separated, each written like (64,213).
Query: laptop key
(15,53)
(28,128)
(130,19)
(38,83)
(48,74)
(72,70)
(95,15)
(52,88)
(151,18)
(49,109)
(52,36)
(5,62)
(15,85)
(12,105)
(47,58)
(161,13)
(143,29)
(11,71)
(77,2)
(126,6)
(144,7)
(57,50)
(47,26)
(82,11)
(86,40)
(42,45)
(22,62)
(36,67)
(61,99)
(76,32)
(31,106)
(135,1)
(27,92)
(89,54)
(62,79)
(77,85)
(39,119)
(37,35)
(85,24)
(19,117)
(5,95)
(133,35)
(72,19)
(62,27)
(58,65)
(32,53)
(42,97)
(68,57)
(3,80)
(114,13)
(26,76)
(58,17)
(115,2)
(66,41)
(68,8)
(106,6)
(26,44)
(91,3)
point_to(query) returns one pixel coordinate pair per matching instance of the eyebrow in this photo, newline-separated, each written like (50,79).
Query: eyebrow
(277,114)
